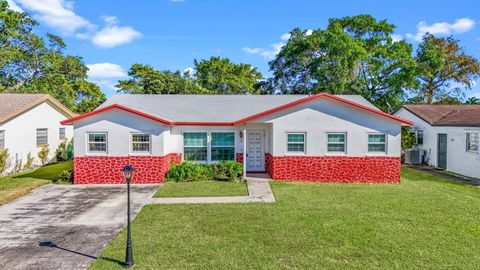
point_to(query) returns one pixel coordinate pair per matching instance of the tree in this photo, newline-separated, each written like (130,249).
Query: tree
(353,55)
(33,64)
(222,76)
(441,62)
(473,101)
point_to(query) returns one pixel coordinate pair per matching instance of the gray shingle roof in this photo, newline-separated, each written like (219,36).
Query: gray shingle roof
(209,108)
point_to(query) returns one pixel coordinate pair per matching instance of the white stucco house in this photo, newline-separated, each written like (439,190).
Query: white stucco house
(292,137)
(449,134)
(30,121)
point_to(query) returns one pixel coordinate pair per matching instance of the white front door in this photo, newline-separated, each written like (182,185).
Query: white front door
(255,151)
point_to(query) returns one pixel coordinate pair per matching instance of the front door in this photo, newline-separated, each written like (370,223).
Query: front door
(255,152)
(442,151)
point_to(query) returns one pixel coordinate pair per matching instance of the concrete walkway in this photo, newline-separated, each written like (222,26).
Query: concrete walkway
(259,191)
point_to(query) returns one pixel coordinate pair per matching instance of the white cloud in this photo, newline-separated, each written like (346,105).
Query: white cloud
(190,70)
(308,32)
(113,35)
(269,53)
(13,6)
(105,70)
(285,36)
(396,38)
(442,28)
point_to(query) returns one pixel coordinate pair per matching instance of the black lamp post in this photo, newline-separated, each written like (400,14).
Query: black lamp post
(127,172)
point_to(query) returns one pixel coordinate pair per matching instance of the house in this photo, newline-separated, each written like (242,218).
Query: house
(448,134)
(292,137)
(29,122)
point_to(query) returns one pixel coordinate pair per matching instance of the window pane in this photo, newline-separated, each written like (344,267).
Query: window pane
(195,139)
(97,147)
(97,137)
(140,147)
(296,137)
(97,142)
(223,139)
(61,132)
(472,141)
(376,148)
(337,147)
(297,147)
(336,137)
(223,153)
(42,136)
(2,139)
(195,153)
(140,138)
(419,136)
(376,137)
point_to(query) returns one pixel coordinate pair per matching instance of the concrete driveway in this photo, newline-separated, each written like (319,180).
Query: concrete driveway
(64,227)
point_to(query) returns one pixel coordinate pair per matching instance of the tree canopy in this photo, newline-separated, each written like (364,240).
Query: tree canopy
(33,64)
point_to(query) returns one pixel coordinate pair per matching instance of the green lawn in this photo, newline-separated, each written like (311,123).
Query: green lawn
(421,223)
(15,186)
(202,189)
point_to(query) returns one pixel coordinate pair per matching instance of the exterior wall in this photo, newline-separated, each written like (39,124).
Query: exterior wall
(21,132)
(458,159)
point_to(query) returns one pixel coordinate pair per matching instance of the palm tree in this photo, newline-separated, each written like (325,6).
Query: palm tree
(473,101)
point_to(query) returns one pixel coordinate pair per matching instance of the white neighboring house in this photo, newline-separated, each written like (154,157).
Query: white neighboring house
(30,121)
(449,134)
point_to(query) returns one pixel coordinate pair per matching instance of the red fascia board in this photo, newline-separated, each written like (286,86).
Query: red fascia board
(116,106)
(317,96)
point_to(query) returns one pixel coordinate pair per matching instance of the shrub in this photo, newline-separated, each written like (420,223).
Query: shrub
(43,155)
(29,162)
(4,160)
(61,152)
(18,163)
(65,176)
(188,171)
(228,171)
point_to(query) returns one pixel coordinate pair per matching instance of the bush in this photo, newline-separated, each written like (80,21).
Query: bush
(61,152)
(29,163)
(4,160)
(65,176)
(189,171)
(43,155)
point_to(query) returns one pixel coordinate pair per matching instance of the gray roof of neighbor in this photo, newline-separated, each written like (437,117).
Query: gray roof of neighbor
(11,103)
(447,115)
(210,108)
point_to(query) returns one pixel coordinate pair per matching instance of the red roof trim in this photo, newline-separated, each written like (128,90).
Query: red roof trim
(317,96)
(244,120)
(116,106)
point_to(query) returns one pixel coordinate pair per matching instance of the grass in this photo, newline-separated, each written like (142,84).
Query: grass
(421,223)
(15,186)
(202,189)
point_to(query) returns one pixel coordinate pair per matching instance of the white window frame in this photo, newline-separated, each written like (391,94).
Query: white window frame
(36,137)
(210,146)
(2,145)
(416,136)
(344,143)
(467,144)
(132,152)
(207,146)
(60,133)
(304,133)
(386,143)
(87,142)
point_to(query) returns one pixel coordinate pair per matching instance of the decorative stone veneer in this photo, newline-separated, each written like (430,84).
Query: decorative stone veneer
(107,170)
(239,158)
(334,169)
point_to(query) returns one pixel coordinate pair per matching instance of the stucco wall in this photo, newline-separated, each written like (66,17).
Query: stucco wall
(458,159)
(21,132)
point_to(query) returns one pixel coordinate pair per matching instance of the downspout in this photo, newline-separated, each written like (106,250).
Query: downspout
(244,152)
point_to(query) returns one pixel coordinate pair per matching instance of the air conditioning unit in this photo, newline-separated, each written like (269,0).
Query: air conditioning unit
(414,156)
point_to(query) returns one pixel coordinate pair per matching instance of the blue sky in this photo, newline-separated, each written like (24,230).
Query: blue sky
(168,34)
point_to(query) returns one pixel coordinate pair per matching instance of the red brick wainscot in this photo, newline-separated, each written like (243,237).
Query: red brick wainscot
(106,170)
(334,169)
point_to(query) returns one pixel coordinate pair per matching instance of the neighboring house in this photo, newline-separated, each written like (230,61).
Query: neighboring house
(30,121)
(449,135)
(291,137)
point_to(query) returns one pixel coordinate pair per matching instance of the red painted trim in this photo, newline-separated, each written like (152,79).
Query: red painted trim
(317,96)
(116,106)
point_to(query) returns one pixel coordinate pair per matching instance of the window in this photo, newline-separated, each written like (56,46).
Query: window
(336,142)
(377,143)
(140,143)
(61,133)
(2,139)
(195,146)
(419,136)
(97,142)
(223,146)
(472,141)
(42,136)
(296,142)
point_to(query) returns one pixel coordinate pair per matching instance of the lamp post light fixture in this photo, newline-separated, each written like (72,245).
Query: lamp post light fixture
(127,172)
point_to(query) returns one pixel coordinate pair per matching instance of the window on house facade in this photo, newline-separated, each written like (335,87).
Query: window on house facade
(42,137)
(377,142)
(2,139)
(296,142)
(195,146)
(336,142)
(97,142)
(419,136)
(61,132)
(472,141)
(140,143)
(223,146)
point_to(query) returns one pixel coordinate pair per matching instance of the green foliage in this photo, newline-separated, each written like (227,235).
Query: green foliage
(408,137)
(29,163)
(43,155)
(473,101)
(17,166)
(70,150)
(4,160)
(189,171)
(61,152)
(65,176)
(33,64)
